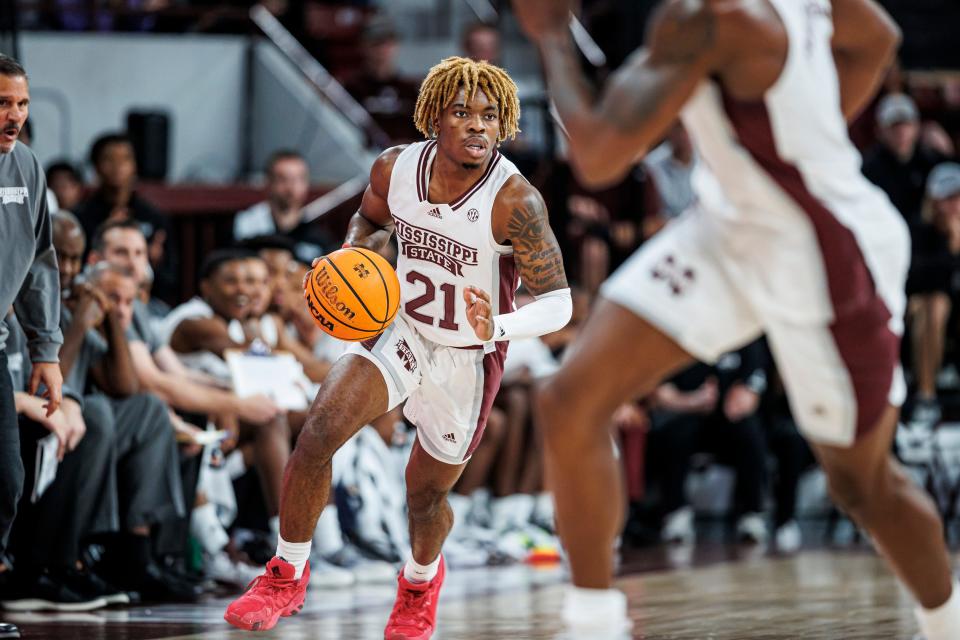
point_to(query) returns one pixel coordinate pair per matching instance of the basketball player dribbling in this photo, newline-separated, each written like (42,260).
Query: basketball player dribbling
(468,225)
(787,238)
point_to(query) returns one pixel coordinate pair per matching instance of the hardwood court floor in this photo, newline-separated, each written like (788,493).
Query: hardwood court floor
(817,595)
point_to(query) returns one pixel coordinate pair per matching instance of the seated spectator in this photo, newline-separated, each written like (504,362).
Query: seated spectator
(157,367)
(898,163)
(670,166)
(202,330)
(711,409)
(934,284)
(256,420)
(268,327)
(96,358)
(66,183)
(48,530)
(288,183)
(379,87)
(115,197)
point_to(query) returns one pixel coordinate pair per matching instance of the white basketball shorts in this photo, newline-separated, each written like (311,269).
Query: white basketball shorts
(449,390)
(830,300)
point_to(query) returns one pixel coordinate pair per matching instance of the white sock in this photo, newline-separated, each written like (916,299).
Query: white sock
(296,553)
(418,573)
(327,537)
(942,623)
(600,609)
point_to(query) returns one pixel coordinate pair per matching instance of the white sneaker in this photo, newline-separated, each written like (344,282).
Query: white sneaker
(789,538)
(221,568)
(602,617)
(752,528)
(678,527)
(324,575)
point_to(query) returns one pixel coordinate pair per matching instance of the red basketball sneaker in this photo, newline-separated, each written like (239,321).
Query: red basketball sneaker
(273,595)
(414,615)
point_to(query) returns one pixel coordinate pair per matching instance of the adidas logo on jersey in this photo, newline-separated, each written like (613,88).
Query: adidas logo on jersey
(449,437)
(435,212)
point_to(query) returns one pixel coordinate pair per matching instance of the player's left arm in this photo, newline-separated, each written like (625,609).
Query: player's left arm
(520,218)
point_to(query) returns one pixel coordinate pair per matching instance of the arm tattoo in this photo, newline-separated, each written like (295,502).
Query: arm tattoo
(535,249)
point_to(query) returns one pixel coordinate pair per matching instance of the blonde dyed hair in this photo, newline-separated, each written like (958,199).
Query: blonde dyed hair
(444,80)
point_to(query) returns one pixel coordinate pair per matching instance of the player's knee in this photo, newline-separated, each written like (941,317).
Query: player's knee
(552,397)
(315,440)
(567,417)
(423,503)
(864,496)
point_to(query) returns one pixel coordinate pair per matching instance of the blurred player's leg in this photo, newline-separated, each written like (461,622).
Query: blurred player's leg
(867,483)
(617,357)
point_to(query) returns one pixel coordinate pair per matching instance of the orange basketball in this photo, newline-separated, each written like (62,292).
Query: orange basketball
(353,294)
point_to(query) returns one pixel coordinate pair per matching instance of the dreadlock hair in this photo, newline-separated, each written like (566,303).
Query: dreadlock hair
(443,81)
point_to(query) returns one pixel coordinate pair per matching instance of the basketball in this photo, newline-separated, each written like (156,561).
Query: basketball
(353,294)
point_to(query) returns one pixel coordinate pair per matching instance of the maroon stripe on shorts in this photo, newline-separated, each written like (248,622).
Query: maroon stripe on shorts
(869,349)
(493,361)
(492,374)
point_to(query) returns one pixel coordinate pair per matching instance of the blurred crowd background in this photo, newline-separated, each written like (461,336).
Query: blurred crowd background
(200,154)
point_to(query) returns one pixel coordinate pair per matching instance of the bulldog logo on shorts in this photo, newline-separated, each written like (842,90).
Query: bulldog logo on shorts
(405,353)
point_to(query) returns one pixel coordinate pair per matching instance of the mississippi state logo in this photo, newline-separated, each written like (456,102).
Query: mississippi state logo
(472,215)
(418,243)
(677,277)
(14,194)
(361,269)
(405,353)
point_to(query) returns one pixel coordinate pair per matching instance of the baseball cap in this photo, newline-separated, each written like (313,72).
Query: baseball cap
(944,181)
(896,107)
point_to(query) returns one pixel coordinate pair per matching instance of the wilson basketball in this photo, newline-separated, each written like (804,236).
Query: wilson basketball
(353,294)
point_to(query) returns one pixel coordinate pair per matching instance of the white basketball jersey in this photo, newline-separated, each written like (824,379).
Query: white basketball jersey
(446,247)
(780,175)
(796,131)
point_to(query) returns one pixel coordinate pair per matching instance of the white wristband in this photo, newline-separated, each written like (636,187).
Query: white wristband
(547,313)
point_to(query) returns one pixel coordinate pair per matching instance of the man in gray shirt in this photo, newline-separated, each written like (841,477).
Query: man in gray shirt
(30,282)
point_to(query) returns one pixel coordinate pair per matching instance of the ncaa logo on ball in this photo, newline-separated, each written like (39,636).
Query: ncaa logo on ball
(329,291)
(472,215)
(318,316)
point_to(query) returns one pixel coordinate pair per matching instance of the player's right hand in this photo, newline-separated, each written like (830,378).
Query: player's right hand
(479,312)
